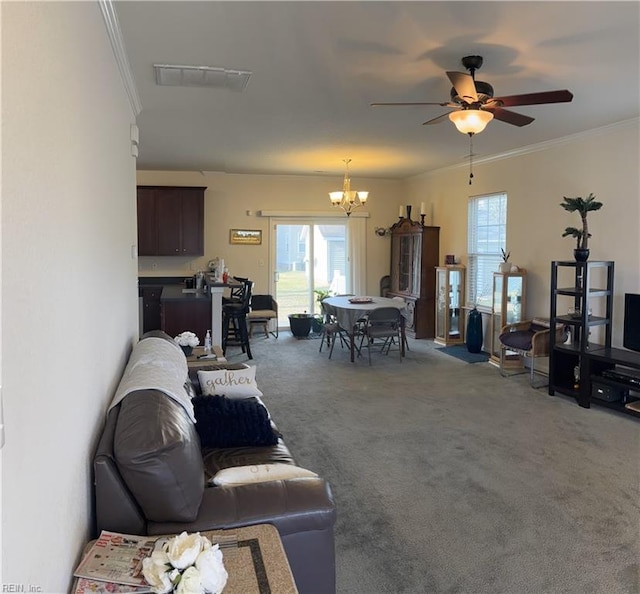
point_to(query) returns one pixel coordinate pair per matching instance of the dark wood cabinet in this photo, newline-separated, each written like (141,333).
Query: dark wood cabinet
(186,315)
(415,254)
(151,308)
(170,221)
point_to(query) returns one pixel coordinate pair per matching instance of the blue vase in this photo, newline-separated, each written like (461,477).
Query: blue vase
(474,331)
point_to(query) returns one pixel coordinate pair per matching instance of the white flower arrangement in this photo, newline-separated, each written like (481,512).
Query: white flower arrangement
(188,339)
(186,564)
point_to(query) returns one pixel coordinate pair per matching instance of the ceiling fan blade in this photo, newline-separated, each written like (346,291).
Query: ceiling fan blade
(464,86)
(437,120)
(411,104)
(510,117)
(562,96)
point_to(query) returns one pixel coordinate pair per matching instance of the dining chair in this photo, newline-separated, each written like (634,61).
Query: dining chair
(406,342)
(331,332)
(383,323)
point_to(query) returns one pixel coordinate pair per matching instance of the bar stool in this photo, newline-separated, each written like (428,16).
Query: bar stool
(234,322)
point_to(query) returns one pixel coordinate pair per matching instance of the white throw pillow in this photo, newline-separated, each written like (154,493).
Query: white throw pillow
(233,383)
(259,473)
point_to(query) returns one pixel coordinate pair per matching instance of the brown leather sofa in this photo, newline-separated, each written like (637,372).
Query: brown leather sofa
(152,477)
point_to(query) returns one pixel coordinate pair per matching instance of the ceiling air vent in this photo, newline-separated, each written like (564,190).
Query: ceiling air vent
(201,76)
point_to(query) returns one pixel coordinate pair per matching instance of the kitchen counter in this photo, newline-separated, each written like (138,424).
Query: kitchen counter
(175,293)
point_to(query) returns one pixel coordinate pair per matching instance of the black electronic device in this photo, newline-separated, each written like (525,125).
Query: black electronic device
(631,334)
(630,377)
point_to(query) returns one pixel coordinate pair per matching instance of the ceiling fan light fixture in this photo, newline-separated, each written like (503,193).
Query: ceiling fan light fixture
(470,121)
(348,199)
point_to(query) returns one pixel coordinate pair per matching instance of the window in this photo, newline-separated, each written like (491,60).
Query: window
(487,233)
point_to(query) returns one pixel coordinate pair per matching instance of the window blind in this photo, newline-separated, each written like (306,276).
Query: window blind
(487,235)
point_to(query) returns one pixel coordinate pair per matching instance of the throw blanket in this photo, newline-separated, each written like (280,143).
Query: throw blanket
(156,364)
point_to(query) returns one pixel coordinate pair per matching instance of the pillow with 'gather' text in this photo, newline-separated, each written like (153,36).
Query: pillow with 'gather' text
(232,383)
(259,473)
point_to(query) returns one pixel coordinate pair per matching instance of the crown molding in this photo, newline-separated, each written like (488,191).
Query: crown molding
(543,146)
(117,44)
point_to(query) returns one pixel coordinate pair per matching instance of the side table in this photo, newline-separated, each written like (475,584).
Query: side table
(194,363)
(257,565)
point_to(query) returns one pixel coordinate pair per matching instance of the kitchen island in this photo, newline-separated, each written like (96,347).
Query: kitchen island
(185,310)
(156,291)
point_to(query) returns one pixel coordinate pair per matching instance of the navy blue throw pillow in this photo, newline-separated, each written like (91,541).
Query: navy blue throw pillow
(227,422)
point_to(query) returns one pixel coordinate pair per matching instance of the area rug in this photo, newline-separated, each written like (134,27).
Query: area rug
(461,352)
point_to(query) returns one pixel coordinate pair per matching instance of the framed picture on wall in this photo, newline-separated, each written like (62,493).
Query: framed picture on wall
(245,236)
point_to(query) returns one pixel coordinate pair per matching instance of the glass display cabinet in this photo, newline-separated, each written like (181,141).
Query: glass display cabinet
(449,302)
(508,305)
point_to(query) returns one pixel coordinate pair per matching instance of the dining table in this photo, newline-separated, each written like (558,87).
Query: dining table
(349,309)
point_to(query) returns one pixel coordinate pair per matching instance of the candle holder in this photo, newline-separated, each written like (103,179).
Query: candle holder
(409,211)
(422,220)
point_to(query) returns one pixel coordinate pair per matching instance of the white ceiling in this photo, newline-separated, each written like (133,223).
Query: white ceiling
(318,65)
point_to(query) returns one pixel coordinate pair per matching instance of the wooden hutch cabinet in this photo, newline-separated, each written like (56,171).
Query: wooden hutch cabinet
(414,257)
(170,221)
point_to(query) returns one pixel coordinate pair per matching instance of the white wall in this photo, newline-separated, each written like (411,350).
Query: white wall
(604,162)
(69,295)
(228,198)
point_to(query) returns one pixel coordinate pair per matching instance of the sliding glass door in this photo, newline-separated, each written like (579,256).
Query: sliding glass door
(308,255)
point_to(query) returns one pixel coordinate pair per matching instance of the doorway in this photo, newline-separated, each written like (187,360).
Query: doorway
(308,255)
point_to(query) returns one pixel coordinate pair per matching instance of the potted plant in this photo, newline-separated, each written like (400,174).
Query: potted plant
(582,206)
(300,324)
(505,265)
(321,295)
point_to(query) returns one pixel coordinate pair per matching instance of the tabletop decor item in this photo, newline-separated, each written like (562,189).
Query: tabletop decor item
(187,340)
(582,206)
(185,564)
(505,265)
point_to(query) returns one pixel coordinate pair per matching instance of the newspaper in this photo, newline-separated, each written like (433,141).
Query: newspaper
(85,586)
(116,558)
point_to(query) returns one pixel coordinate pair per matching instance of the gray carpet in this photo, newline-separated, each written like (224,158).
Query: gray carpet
(451,479)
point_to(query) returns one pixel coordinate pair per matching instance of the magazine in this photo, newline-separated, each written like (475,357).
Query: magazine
(85,586)
(116,558)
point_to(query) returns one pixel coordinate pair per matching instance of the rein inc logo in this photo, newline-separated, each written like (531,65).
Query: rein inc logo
(21,588)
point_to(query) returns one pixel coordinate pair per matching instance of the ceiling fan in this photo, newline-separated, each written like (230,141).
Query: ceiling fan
(474,103)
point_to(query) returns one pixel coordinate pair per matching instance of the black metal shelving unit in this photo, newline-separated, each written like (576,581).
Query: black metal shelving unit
(575,364)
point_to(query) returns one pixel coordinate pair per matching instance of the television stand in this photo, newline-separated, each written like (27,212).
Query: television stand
(606,359)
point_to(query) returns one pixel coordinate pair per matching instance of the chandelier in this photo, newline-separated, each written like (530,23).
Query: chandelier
(348,199)
(470,121)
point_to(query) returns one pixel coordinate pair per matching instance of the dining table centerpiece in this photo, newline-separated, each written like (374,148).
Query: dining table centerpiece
(186,564)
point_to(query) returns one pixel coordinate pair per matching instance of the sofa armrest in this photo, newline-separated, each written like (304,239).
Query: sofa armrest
(292,505)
